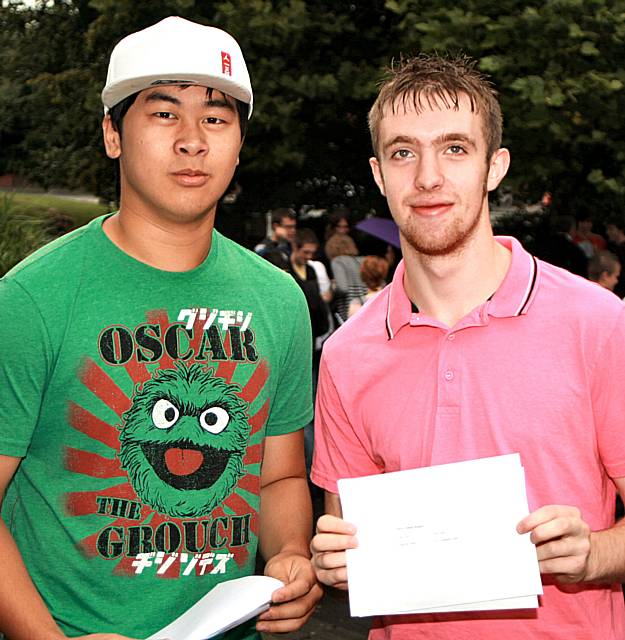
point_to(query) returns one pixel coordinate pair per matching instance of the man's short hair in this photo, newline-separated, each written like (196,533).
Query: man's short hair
(431,81)
(118,111)
(305,236)
(602,262)
(278,215)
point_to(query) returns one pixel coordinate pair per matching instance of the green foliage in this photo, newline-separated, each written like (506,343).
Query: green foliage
(19,234)
(45,206)
(314,66)
(556,65)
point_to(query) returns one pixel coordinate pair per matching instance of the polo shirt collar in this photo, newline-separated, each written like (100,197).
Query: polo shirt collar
(517,290)
(513,297)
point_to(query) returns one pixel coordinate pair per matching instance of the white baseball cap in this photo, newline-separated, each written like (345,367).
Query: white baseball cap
(177,51)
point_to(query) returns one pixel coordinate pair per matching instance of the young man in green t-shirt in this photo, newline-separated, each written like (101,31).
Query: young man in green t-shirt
(154,377)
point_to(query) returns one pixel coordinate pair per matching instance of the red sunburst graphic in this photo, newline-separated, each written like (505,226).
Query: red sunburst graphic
(83,503)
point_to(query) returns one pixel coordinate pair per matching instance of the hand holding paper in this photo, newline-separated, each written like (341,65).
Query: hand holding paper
(440,539)
(328,547)
(562,540)
(295,602)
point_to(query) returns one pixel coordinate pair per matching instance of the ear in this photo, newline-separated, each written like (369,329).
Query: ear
(112,141)
(498,168)
(377,174)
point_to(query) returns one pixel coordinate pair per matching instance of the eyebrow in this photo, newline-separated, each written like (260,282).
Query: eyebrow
(457,137)
(159,96)
(447,137)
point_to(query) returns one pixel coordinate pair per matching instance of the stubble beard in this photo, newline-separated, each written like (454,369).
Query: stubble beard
(454,239)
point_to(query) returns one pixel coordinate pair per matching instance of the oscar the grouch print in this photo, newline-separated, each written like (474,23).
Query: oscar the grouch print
(183,440)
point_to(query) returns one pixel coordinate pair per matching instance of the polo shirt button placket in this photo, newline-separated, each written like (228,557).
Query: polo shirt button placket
(449,375)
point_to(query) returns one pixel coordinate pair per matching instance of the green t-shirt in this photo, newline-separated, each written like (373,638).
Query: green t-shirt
(139,400)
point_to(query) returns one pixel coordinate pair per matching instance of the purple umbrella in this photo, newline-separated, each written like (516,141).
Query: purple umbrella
(382,228)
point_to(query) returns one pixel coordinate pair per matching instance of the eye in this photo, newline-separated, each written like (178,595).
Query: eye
(214,420)
(164,115)
(402,153)
(164,414)
(456,150)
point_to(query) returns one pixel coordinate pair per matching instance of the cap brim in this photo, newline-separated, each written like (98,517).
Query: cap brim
(118,91)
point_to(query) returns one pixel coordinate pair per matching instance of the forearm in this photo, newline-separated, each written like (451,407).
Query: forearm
(606,563)
(285,517)
(23,614)
(285,528)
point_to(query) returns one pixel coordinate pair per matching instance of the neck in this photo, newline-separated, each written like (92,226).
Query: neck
(300,269)
(449,287)
(165,245)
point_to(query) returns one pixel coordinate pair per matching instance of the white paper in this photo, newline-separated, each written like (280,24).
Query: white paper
(440,538)
(222,608)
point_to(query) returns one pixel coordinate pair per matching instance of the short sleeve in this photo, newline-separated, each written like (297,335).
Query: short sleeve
(608,395)
(292,403)
(339,451)
(24,362)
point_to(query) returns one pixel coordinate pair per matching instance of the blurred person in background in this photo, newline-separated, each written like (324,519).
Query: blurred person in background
(338,221)
(557,247)
(304,248)
(283,226)
(338,225)
(604,268)
(346,274)
(584,237)
(615,230)
(373,272)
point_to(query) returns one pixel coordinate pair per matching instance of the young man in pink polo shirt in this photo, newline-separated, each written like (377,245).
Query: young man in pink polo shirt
(477,349)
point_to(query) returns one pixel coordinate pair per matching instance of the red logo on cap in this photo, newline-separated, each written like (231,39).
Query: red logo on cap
(226,63)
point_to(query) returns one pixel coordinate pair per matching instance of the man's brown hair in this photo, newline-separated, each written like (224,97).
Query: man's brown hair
(602,262)
(432,81)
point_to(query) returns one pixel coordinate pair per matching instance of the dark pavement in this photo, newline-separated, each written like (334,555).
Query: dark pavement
(330,622)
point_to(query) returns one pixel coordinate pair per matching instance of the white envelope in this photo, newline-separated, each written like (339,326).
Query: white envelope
(440,538)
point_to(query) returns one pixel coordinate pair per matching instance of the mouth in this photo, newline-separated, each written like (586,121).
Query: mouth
(190,177)
(186,466)
(431,209)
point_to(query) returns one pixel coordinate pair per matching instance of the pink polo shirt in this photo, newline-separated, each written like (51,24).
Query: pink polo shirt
(538,369)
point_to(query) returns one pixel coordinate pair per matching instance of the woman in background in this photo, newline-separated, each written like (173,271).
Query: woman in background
(373,272)
(346,271)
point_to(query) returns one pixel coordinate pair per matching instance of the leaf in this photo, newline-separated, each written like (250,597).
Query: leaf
(588,49)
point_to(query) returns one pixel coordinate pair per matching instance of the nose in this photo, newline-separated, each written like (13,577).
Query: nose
(428,171)
(192,141)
